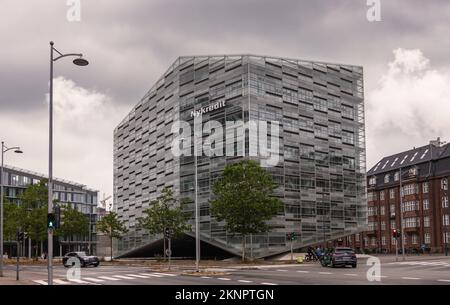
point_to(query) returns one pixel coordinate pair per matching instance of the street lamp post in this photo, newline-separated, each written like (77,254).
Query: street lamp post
(4,150)
(79,61)
(402,236)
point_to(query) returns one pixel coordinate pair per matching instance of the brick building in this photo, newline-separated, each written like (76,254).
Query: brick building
(424,174)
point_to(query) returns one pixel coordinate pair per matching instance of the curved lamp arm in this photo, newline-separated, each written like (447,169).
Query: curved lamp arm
(11,148)
(70,54)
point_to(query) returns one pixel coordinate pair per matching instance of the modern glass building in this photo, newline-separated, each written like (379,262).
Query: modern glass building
(321,169)
(77,195)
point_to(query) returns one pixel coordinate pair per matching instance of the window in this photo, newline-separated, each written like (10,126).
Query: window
(357,237)
(445,220)
(370,196)
(382,195)
(382,210)
(410,189)
(426,204)
(408,206)
(447,237)
(396,176)
(383,225)
(373,181)
(387,177)
(425,187)
(444,184)
(393,226)
(427,238)
(392,209)
(426,221)
(411,222)
(383,240)
(372,211)
(414,156)
(393,241)
(444,202)
(392,193)
(415,239)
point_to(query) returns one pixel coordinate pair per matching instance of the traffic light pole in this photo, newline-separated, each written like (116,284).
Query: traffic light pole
(396,249)
(18,254)
(292,249)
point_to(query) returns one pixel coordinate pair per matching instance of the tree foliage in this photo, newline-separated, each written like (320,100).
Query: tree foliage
(112,226)
(243,199)
(73,223)
(165,213)
(34,203)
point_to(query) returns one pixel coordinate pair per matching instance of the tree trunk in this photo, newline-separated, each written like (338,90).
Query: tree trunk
(243,248)
(164,251)
(111,248)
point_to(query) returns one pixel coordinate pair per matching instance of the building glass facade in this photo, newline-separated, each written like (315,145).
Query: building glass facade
(321,168)
(80,197)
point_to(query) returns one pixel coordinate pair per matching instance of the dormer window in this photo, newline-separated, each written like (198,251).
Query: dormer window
(396,176)
(387,178)
(373,180)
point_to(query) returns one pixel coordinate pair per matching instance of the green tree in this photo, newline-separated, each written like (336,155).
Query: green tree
(165,213)
(34,203)
(243,199)
(73,223)
(112,226)
(13,219)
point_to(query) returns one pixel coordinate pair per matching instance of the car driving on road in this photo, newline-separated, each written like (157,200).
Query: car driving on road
(85,260)
(339,256)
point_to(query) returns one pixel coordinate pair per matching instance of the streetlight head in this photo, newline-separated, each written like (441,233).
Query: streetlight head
(18,151)
(80,62)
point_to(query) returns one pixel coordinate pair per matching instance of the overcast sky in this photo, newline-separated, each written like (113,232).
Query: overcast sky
(131,43)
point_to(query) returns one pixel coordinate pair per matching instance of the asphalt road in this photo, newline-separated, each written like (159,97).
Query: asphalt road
(410,272)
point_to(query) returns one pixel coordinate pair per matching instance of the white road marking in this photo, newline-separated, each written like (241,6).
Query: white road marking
(245,281)
(268,284)
(91,279)
(448,281)
(281,270)
(166,274)
(124,277)
(302,271)
(224,279)
(137,275)
(410,278)
(42,282)
(205,277)
(151,274)
(108,278)
(350,274)
(79,281)
(325,273)
(61,282)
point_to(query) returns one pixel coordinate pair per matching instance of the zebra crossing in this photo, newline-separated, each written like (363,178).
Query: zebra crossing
(423,263)
(98,280)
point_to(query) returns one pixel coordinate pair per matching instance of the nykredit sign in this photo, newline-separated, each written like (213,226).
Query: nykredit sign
(212,107)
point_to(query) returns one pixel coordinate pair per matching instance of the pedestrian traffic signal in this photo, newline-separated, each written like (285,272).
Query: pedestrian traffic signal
(291,236)
(51,221)
(20,236)
(396,233)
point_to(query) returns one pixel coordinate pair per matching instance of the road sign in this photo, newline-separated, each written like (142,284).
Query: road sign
(168,252)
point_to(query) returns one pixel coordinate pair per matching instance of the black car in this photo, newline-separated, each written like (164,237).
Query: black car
(85,260)
(339,256)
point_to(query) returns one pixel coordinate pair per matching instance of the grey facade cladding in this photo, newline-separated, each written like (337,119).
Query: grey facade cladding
(321,173)
(82,198)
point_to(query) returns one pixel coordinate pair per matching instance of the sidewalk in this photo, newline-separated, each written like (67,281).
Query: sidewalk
(7,279)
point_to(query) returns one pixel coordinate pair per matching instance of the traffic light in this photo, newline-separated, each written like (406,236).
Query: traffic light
(20,236)
(291,236)
(51,221)
(396,233)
